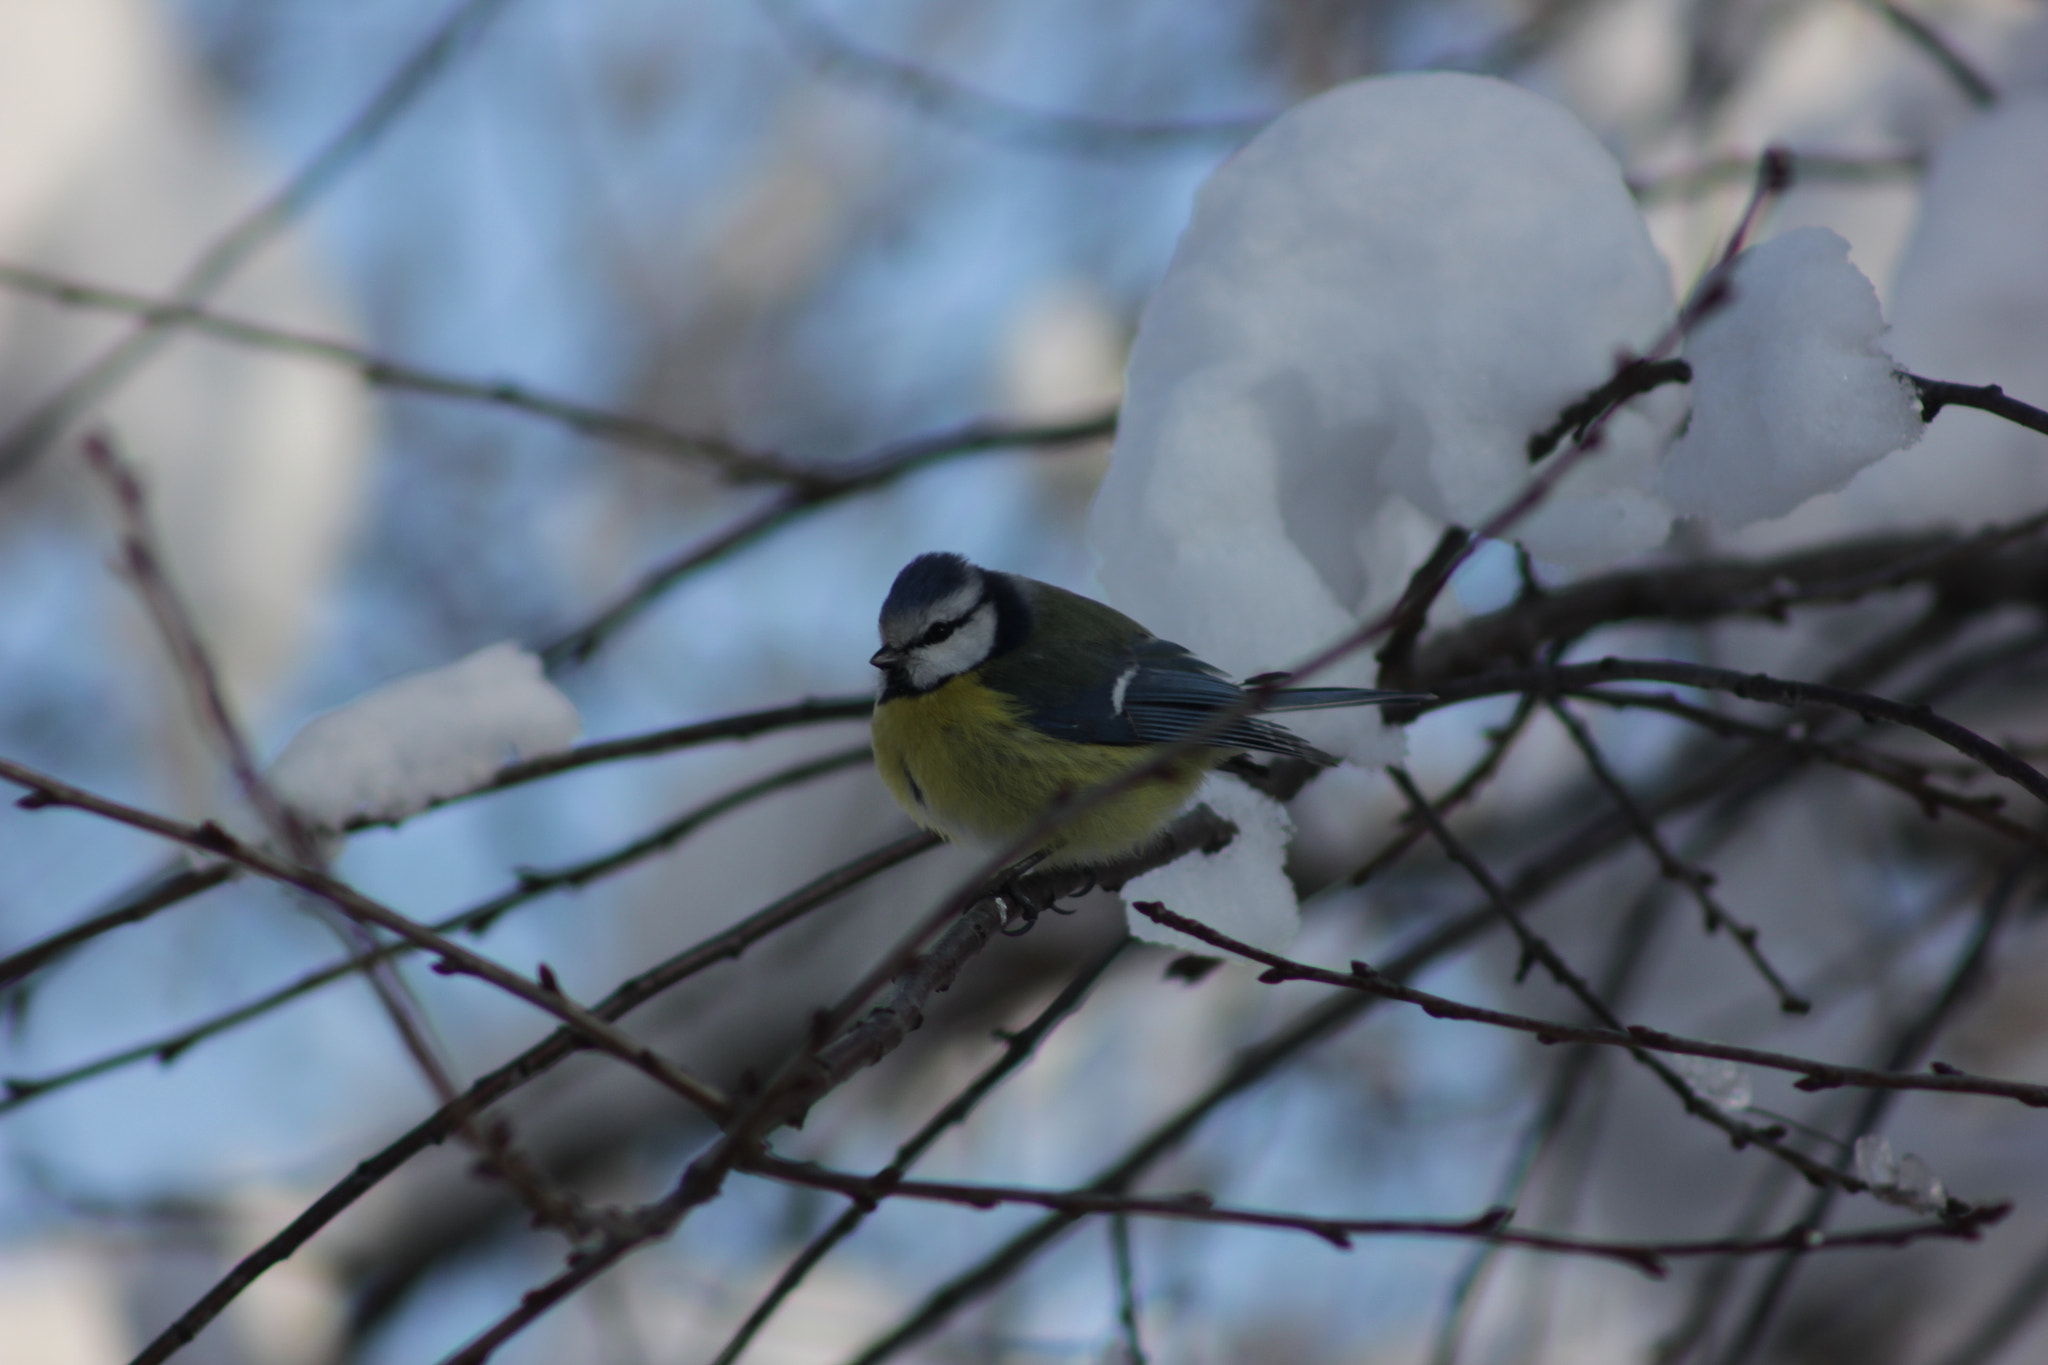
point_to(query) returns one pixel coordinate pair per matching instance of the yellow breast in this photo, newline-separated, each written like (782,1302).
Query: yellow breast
(962,763)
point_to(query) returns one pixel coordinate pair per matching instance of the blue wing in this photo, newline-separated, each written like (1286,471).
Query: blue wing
(1169,694)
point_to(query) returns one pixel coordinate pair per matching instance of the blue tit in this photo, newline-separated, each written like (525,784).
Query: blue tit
(1001,695)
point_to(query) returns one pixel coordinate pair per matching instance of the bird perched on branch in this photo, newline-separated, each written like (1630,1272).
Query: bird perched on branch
(1002,696)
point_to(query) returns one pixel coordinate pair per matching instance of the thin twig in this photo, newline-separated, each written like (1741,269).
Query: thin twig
(1016,1052)
(455,33)
(1813,1075)
(1975,86)
(1759,687)
(819,488)
(832,54)
(453,958)
(1491,1226)
(1461,791)
(193,666)
(1936,394)
(178,885)
(1808,167)
(1907,1047)
(912,975)
(533,884)
(1632,943)
(1126,1288)
(1697,882)
(535,1061)
(1905,777)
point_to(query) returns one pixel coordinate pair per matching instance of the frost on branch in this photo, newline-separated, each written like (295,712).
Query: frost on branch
(1239,890)
(1792,395)
(1377,302)
(1721,1084)
(420,739)
(1906,1181)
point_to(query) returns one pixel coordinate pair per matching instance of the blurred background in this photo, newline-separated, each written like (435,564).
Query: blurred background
(819,230)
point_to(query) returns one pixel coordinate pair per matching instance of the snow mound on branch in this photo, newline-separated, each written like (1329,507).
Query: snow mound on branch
(1238,890)
(420,739)
(1792,395)
(1377,302)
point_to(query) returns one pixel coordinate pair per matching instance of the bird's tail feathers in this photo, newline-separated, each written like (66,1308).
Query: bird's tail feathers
(1323,698)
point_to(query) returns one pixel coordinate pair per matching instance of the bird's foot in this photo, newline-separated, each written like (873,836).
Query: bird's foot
(1024,909)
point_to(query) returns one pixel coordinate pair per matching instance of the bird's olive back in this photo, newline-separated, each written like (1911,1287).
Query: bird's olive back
(1064,670)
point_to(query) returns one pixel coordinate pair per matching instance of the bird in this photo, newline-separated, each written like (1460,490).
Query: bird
(1001,696)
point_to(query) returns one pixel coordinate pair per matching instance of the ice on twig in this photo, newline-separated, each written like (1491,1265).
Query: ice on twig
(1906,1181)
(1721,1084)
(423,738)
(1791,393)
(1240,890)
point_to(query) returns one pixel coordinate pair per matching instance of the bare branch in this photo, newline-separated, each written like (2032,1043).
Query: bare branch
(1697,882)
(1491,1226)
(455,33)
(452,957)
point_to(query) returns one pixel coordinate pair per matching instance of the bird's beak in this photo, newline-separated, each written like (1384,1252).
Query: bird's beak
(886,656)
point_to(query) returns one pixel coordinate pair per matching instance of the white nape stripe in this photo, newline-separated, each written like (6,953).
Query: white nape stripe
(1123,685)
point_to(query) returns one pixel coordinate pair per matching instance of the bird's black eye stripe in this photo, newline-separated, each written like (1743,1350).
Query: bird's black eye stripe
(939,632)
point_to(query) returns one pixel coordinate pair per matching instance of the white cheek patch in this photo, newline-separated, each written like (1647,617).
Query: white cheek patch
(963,649)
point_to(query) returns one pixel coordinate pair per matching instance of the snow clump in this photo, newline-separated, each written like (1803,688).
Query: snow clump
(1240,890)
(420,739)
(1376,303)
(1792,395)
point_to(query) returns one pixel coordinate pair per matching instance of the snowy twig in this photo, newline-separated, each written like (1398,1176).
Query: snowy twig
(1698,882)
